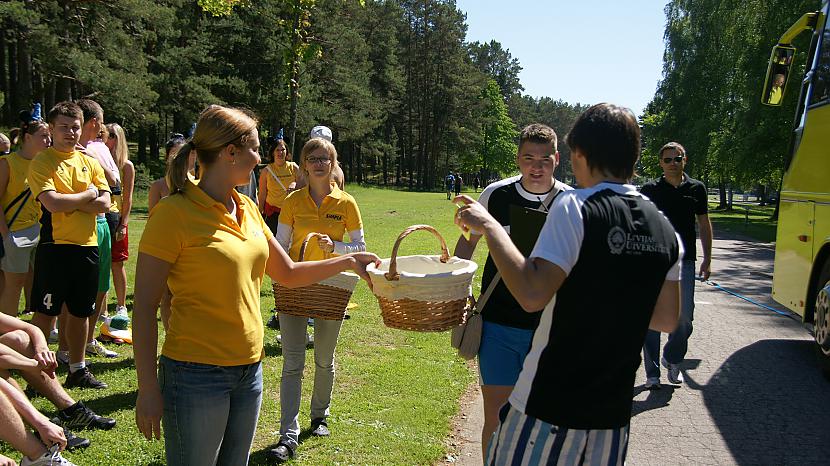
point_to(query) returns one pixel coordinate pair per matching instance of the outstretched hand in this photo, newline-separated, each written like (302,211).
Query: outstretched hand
(471,215)
(361,261)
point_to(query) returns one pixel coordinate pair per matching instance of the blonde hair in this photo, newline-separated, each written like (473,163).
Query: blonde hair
(217,128)
(122,151)
(311,146)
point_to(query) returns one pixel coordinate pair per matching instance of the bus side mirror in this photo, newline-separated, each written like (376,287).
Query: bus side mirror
(778,74)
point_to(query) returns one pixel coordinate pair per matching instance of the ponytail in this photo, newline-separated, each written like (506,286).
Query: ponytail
(177,167)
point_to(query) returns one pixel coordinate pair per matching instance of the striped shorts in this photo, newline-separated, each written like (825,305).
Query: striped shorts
(525,440)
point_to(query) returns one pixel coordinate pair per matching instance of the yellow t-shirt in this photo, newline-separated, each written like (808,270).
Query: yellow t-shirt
(217,269)
(775,96)
(66,173)
(287,175)
(30,210)
(337,214)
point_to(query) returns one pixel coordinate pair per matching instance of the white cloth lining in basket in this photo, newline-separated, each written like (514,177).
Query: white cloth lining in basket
(343,280)
(424,278)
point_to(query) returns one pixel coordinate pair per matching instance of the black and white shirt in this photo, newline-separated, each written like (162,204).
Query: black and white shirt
(502,308)
(617,249)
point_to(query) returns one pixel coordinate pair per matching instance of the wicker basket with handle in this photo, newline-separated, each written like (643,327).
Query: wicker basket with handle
(324,300)
(422,293)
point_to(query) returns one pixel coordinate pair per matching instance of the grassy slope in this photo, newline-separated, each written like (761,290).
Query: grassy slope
(395,391)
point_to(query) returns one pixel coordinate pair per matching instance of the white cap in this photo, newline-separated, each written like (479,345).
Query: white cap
(320,132)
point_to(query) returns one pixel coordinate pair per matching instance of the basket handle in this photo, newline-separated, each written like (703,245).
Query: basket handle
(305,243)
(393,274)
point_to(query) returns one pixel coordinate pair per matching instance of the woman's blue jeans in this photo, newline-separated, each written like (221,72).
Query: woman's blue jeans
(210,412)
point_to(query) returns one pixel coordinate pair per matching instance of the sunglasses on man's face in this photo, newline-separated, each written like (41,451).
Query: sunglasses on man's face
(668,160)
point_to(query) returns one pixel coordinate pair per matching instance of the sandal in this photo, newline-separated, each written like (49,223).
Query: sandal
(282,452)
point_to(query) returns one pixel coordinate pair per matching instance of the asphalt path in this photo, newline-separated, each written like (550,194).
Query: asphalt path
(753,391)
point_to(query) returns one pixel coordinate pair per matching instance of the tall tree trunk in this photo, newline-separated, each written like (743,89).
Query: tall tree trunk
(63,89)
(14,104)
(721,194)
(154,142)
(24,72)
(294,83)
(5,113)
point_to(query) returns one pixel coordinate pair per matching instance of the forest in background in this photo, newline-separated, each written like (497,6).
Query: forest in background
(406,95)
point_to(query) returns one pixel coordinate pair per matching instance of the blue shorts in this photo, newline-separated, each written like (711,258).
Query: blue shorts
(502,353)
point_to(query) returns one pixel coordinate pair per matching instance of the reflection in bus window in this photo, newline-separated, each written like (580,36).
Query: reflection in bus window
(821,78)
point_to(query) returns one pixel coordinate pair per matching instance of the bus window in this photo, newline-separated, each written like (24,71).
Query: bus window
(821,77)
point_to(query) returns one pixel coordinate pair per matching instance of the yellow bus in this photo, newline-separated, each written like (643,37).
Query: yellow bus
(801,279)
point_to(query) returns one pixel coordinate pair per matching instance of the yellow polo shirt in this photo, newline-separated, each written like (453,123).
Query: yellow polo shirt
(217,268)
(30,210)
(67,173)
(337,214)
(287,175)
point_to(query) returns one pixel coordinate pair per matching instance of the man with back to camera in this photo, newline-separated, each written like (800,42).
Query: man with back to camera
(683,200)
(507,329)
(606,267)
(72,189)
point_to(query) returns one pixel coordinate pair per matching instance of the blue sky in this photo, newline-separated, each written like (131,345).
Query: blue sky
(584,51)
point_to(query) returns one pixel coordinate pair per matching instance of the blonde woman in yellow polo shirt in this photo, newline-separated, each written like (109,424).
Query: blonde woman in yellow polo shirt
(211,246)
(20,224)
(320,207)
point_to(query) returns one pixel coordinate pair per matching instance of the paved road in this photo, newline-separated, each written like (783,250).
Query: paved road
(753,395)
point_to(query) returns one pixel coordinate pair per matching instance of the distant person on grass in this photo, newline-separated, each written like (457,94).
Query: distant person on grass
(508,329)
(684,201)
(320,207)
(118,218)
(20,224)
(212,247)
(449,181)
(72,189)
(458,183)
(605,268)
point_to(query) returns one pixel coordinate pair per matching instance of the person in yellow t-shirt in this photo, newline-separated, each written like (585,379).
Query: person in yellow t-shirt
(72,190)
(320,207)
(19,225)
(777,90)
(211,246)
(275,182)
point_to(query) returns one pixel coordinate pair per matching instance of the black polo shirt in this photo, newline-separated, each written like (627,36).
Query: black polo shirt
(681,205)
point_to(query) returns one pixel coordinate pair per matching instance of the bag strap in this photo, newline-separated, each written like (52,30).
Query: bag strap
(482,300)
(25,196)
(546,203)
(268,167)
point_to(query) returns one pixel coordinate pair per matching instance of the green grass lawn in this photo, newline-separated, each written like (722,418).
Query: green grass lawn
(749,220)
(395,391)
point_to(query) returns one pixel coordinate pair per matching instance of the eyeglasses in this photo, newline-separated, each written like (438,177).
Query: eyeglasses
(677,159)
(316,161)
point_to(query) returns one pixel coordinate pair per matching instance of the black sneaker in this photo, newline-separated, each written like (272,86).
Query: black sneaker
(319,428)
(73,442)
(79,417)
(274,322)
(281,453)
(82,378)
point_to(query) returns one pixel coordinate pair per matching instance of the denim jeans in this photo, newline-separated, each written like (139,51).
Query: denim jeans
(292,329)
(678,343)
(210,412)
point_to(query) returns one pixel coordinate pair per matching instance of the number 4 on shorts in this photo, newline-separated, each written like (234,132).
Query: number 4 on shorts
(47,301)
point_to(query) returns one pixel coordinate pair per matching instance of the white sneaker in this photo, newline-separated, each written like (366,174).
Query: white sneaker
(674,375)
(62,357)
(51,458)
(653,383)
(122,311)
(96,348)
(53,336)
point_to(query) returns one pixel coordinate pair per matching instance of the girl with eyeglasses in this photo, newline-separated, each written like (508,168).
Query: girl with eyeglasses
(320,207)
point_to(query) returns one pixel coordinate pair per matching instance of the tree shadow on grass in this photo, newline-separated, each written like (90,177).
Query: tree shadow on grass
(103,366)
(111,403)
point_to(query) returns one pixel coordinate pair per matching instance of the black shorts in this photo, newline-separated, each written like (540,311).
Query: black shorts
(65,274)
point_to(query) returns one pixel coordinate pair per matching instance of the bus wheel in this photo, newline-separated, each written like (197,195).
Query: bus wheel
(822,319)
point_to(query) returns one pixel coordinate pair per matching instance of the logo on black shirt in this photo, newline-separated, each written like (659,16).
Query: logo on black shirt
(633,244)
(334,217)
(616,240)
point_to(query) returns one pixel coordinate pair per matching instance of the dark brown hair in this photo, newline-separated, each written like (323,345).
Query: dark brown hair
(609,138)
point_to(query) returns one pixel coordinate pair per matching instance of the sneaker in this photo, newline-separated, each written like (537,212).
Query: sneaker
(51,458)
(96,348)
(73,442)
(674,375)
(319,428)
(274,321)
(281,453)
(53,336)
(62,357)
(653,383)
(79,417)
(83,378)
(121,311)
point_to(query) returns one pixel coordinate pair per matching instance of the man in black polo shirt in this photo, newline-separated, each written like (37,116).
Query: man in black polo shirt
(606,268)
(683,200)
